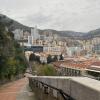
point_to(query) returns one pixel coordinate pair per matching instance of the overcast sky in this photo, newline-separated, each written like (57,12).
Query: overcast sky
(77,15)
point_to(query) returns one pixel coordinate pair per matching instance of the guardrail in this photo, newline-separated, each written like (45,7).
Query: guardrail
(67,88)
(36,83)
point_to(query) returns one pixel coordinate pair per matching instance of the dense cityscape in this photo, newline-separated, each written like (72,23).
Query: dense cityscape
(79,57)
(49,50)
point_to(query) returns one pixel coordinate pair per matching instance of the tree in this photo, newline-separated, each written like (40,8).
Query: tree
(32,57)
(37,59)
(49,59)
(3,68)
(55,58)
(61,57)
(12,61)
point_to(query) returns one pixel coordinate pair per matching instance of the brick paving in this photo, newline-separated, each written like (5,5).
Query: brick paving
(10,91)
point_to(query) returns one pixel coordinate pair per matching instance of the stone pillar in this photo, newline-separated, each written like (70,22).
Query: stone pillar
(46,90)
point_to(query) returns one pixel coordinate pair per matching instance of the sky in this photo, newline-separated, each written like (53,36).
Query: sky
(76,15)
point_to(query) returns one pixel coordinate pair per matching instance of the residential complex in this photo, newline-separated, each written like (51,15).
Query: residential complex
(81,57)
(79,67)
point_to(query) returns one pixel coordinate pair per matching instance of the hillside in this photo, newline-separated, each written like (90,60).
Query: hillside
(13,24)
(71,34)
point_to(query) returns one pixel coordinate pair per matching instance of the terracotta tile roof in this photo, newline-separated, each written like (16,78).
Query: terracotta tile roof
(57,63)
(74,64)
(70,63)
(94,66)
(88,64)
(96,63)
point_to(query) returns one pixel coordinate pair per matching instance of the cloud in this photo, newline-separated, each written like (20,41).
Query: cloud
(78,15)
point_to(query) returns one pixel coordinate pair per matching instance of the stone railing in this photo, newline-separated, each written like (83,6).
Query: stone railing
(68,88)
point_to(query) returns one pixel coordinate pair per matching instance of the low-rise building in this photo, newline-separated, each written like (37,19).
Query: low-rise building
(71,68)
(94,70)
(89,68)
(25,35)
(73,51)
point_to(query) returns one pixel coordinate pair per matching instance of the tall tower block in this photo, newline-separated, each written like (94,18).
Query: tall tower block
(34,33)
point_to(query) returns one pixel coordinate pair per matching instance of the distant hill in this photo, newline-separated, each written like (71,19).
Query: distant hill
(13,24)
(71,34)
(94,33)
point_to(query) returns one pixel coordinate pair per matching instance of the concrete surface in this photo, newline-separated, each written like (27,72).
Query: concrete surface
(25,94)
(79,88)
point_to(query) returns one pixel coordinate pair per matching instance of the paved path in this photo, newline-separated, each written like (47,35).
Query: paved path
(11,91)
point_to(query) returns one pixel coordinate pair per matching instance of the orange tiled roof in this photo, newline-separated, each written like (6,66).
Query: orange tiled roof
(94,66)
(73,64)
(97,63)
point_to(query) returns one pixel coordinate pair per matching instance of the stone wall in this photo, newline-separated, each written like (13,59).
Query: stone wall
(79,88)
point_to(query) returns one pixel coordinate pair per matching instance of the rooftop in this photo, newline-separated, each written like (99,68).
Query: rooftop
(87,64)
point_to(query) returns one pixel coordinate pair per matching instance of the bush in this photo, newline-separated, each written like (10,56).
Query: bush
(55,58)
(46,70)
(61,57)
(49,59)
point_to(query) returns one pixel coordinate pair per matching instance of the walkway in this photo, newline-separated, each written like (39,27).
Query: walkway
(16,91)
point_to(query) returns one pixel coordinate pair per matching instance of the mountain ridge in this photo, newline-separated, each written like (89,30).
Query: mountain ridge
(71,34)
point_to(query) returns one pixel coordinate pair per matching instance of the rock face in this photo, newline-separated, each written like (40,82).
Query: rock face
(71,34)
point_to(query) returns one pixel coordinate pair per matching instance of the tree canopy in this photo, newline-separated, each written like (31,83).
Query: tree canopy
(12,61)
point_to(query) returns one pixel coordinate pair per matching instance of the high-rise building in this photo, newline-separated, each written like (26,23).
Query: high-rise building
(30,40)
(34,36)
(35,33)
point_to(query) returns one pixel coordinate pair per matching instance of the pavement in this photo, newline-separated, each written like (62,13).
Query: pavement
(25,94)
(17,90)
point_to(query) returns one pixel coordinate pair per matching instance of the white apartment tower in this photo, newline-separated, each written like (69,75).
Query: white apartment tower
(34,35)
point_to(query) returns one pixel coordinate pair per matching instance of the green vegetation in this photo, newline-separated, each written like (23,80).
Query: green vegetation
(47,70)
(43,70)
(55,58)
(33,57)
(12,61)
(49,59)
(61,57)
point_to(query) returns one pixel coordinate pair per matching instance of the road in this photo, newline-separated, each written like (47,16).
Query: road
(15,90)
